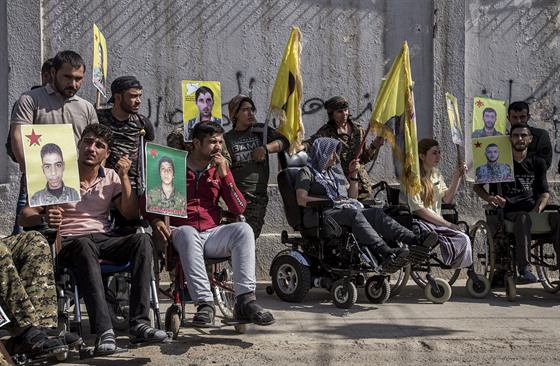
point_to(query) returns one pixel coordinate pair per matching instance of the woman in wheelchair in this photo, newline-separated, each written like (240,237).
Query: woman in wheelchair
(426,206)
(323,179)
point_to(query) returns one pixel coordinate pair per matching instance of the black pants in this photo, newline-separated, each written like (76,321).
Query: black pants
(82,254)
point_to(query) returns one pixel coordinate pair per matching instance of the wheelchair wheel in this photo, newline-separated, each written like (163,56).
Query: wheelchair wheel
(399,279)
(224,298)
(483,249)
(478,291)
(173,320)
(61,357)
(291,280)
(377,292)
(117,294)
(511,291)
(418,275)
(548,276)
(344,294)
(441,295)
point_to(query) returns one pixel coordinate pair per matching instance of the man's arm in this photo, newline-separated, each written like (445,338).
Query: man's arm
(495,201)
(230,193)
(17,146)
(149,129)
(541,202)
(544,148)
(127,203)
(35,216)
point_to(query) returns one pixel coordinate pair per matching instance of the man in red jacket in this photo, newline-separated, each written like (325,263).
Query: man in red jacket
(200,234)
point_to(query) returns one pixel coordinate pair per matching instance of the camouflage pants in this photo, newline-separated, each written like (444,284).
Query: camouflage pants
(255,211)
(27,290)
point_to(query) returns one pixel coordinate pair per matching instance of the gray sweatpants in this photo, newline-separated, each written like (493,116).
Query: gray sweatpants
(236,240)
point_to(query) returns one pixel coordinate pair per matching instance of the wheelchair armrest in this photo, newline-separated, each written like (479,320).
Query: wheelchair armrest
(551,208)
(372,203)
(320,204)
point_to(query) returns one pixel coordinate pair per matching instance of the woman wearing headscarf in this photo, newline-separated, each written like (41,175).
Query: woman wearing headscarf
(455,245)
(350,134)
(323,178)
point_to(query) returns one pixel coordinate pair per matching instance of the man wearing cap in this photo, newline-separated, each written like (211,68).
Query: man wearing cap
(249,157)
(204,98)
(350,135)
(127,124)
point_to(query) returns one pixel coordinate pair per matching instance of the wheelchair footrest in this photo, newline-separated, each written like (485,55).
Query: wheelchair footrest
(418,254)
(394,266)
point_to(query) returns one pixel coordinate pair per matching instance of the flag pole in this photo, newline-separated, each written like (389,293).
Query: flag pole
(265,128)
(362,143)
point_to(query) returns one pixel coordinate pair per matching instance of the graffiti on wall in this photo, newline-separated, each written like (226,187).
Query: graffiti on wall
(174,117)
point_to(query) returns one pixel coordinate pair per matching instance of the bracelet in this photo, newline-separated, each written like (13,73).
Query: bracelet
(265,148)
(355,179)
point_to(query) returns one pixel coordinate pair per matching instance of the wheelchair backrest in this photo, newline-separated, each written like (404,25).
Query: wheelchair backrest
(291,166)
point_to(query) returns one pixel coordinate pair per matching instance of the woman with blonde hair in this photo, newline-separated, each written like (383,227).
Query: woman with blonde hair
(426,206)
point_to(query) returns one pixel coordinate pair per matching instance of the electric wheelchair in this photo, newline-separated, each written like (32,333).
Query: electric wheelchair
(425,263)
(324,256)
(494,250)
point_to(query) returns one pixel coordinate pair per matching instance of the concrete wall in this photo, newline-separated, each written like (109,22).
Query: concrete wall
(348,46)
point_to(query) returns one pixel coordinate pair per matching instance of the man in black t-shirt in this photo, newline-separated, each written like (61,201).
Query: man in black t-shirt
(126,123)
(527,194)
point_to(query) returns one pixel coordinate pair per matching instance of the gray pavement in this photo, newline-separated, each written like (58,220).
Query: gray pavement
(407,329)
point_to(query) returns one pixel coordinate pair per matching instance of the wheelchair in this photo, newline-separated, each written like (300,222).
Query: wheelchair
(220,276)
(116,282)
(425,262)
(323,257)
(494,250)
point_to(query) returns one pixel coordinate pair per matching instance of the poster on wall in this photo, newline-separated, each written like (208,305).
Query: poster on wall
(166,180)
(201,102)
(99,61)
(51,165)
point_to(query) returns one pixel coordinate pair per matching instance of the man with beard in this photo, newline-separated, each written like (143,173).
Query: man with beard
(493,171)
(205,103)
(489,129)
(127,125)
(528,194)
(55,103)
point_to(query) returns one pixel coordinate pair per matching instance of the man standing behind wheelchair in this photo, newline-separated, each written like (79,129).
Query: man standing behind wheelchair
(201,235)
(527,194)
(455,245)
(323,179)
(85,238)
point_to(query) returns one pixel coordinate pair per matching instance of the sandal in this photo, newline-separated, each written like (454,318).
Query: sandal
(108,341)
(247,308)
(204,316)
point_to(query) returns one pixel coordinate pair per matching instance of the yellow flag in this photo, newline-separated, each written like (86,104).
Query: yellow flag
(395,99)
(285,102)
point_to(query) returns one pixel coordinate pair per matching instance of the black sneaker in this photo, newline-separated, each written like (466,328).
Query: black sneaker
(396,254)
(204,316)
(526,276)
(35,343)
(72,340)
(428,240)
